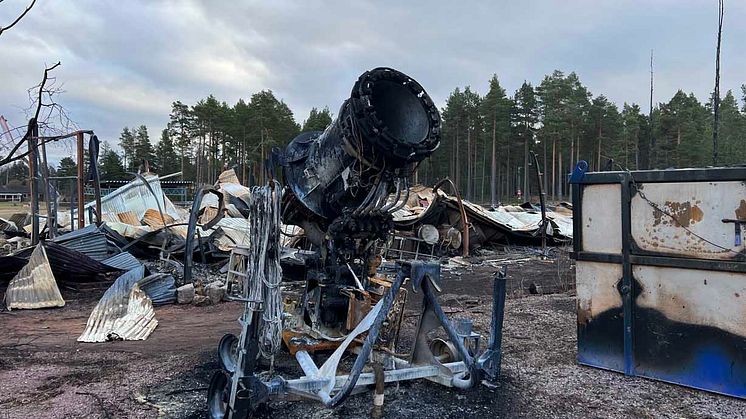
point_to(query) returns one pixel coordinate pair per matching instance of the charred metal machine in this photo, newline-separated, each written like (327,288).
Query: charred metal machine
(342,186)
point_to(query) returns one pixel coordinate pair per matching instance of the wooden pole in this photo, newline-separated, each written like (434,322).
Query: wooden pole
(48,194)
(81,184)
(34,182)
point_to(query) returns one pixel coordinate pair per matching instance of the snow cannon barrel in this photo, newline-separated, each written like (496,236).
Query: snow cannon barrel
(387,126)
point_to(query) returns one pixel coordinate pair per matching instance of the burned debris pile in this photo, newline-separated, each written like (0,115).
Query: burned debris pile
(141,230)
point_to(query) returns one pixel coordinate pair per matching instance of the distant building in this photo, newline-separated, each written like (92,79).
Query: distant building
(13,193)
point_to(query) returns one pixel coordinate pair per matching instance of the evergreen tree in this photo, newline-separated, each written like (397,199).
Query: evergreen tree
(127,143)
(495,111)
(168,160)
(317,120)
(271,124)
(110,164)
(180,126)
(143,148)
(524,120)
(732,143)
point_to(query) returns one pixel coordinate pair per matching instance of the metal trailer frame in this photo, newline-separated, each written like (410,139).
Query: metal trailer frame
(641,341)
(236,391)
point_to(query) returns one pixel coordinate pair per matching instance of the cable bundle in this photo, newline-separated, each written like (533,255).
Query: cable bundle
(263,268)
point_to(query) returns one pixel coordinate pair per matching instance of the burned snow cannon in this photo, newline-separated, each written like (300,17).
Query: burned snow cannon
(341,185)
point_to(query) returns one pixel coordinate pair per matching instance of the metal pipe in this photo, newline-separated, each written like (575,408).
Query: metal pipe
(396,197)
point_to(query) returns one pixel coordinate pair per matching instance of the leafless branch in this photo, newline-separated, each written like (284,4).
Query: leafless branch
(45,113)
(18,19)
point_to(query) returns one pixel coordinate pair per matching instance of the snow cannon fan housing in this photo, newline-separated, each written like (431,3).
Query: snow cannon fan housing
(387,126)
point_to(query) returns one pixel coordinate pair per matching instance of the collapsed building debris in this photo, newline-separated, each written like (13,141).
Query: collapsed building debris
(430,225)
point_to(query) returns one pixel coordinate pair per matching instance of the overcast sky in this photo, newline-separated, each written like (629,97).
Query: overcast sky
(124,62)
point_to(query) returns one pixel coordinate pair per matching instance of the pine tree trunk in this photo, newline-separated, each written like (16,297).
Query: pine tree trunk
(554,169)
(493,167)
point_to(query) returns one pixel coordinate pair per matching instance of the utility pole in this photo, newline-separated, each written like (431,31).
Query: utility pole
(716,99)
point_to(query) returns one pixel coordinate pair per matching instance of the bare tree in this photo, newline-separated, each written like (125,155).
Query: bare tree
(44,113)
(18,19)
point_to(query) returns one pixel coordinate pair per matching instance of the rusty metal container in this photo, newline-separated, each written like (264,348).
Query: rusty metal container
(661,275)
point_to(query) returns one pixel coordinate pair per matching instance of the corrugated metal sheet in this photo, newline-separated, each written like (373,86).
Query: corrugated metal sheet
(136,197)
(161,288)
(89,240)
(123,261)
(34,286)
(7,225)
(153,218)
(71,265)
(124,312)
(236,232)
(128,217)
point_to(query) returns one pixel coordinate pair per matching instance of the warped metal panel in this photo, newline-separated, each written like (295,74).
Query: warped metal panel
(160,288)
(90,241)
(123,261)
(692,225)
(690,328)
(71,265)
(124,312)
(34,286)
(601,224)
(137,197)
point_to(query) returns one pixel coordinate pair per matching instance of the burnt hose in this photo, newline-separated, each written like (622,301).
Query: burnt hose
(370,340)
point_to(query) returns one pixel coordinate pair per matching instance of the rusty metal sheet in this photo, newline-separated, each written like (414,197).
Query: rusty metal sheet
(601,220)
(599,307)
(690,223)
(128,217)
(34,286)
(689,327)
(153,219)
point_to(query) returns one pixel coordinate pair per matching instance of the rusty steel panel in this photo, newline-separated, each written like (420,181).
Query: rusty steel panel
(690,327)
(599,306)
(688,220)
(601,223)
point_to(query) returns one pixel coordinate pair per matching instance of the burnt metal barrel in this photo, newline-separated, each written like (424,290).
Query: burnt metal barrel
(381,132)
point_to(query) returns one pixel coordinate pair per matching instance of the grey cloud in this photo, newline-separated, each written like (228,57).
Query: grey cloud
(124,62)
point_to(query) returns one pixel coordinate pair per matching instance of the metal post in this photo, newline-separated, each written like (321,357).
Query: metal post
(543,206)
(93,152)
(81,183)
(34,185)
(48,194)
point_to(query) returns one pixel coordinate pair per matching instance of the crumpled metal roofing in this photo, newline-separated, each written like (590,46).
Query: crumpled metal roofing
(160,288)
(124,312)
(123,261)
(136,197)
(511,219)
(88,240)
(71,265)
(7,225)
(34,286)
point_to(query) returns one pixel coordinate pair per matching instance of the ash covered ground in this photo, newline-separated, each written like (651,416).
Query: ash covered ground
(45,373)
